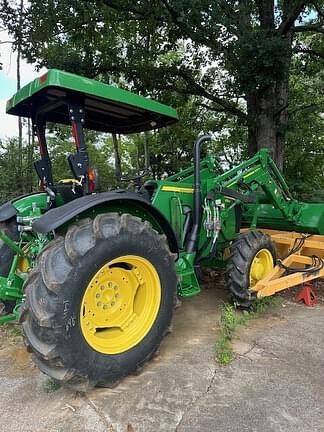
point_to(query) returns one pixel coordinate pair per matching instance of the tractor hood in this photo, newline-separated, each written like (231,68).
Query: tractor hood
(107,108)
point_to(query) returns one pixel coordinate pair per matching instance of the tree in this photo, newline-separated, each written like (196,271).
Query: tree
(234,55)
(304,168)
(13,178)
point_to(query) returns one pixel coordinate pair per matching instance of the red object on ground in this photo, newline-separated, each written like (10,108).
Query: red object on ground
(307,295)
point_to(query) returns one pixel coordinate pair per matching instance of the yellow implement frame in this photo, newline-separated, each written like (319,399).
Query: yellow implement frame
(276,281)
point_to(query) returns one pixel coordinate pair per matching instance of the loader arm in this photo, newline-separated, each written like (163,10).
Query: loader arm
(255,173)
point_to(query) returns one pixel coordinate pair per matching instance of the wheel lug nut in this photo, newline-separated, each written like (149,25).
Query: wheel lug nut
(115,287)
(116,295)
(105,306)
(110,284)
(112,303)
(97,295)
(99,304)
(102,287)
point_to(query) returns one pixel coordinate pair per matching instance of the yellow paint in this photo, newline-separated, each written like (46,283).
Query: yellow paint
(261,265)
(277,279)
(71,180)
(120,304)
(23,265)
(251,173)
(232,184)
(176,189)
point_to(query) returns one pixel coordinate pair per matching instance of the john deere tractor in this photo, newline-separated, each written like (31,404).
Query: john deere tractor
(94,276)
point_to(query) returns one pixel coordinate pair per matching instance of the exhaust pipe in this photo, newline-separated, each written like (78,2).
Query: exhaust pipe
(191,245)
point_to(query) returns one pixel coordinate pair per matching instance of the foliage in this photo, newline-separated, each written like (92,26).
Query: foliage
(98,154)
(224,65)
(13,182)
(304,166)
(233,56)
(51,386)
(231,319)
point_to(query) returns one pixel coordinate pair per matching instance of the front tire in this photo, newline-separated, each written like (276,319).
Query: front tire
(100,300)
(252,257)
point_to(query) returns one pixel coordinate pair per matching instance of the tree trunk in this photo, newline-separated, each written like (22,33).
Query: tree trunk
(282,121)
(267,130)
(251,109)
(265,120)
(282,93)
(116,156)
(267,107)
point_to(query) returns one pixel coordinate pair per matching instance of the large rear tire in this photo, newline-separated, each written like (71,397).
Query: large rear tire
(252,257)
(99,301)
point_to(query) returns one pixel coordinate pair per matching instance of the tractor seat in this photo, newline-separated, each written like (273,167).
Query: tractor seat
(69,190)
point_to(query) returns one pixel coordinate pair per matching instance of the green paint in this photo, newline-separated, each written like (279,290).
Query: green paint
(274,206)
(12,244)
(29,208)
(131,108)
(188,285)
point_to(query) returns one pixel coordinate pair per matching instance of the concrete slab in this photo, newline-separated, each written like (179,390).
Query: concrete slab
(274,384)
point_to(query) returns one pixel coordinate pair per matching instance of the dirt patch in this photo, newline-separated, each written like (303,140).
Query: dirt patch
(15,361)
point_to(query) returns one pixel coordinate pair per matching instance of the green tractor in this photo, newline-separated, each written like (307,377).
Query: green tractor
(95,276)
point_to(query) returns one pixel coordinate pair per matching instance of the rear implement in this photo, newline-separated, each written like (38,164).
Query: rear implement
(300,260)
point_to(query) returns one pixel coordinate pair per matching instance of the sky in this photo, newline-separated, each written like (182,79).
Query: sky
(8,83)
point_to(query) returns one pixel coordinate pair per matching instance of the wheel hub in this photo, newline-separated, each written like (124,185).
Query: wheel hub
(120,304)
(261,265)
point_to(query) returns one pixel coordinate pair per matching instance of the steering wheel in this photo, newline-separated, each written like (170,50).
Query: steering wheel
(137,179)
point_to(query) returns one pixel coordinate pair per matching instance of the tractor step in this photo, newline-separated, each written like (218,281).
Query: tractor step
(8,318)
(11,317)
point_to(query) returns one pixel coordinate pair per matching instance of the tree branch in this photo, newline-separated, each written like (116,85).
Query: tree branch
(211,108)
(317,28)
(201,91)
(195,88)
(302,108)
(229,11)
(200,37)
(130,9)
(288,23)
(310,52)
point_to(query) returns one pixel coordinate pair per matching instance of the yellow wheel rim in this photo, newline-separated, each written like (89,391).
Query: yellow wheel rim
(261,265)
(120,304)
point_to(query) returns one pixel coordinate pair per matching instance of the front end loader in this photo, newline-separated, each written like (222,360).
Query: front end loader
(94,276)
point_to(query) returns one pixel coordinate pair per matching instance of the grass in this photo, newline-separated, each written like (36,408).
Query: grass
(51,386)
(231,319)
(11,330)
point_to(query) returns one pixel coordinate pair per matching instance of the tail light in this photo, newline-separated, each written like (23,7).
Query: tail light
(93,180)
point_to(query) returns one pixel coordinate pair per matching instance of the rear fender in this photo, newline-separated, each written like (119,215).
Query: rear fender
(118,201)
